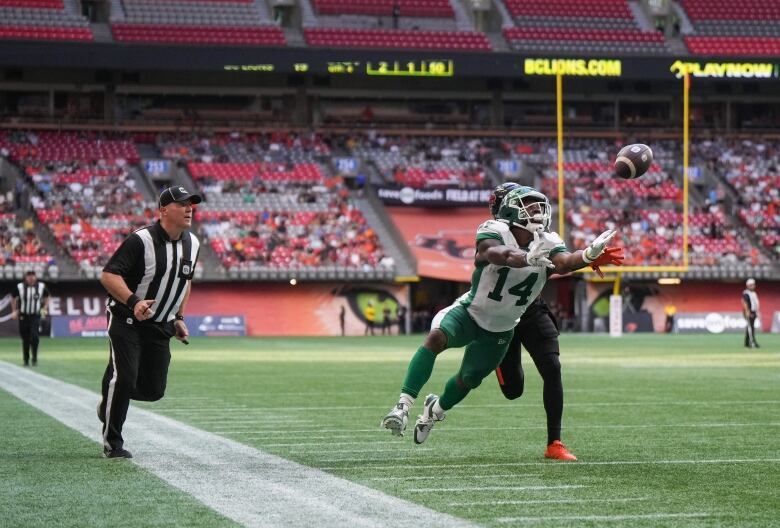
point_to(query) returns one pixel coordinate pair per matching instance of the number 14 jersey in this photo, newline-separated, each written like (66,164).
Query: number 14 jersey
(499,295)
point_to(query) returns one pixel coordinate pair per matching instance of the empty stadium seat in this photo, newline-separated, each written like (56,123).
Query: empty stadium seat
(389,38)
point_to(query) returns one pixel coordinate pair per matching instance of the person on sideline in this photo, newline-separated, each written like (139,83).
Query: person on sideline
(370,314)
(750,307)
(148,284)
(29,302)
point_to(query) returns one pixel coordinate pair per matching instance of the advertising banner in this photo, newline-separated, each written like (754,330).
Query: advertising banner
(615,316)
(711,322)
(443,240)
(216,325)
(198,325)
(434,197)
(776,323)
(79,326)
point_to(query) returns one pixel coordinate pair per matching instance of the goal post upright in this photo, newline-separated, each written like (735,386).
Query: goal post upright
(615,323)
(559,122)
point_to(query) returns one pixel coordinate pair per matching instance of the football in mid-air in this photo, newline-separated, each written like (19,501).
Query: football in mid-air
(633,161)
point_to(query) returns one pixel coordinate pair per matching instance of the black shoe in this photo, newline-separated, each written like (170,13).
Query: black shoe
(34,363)
(117,453)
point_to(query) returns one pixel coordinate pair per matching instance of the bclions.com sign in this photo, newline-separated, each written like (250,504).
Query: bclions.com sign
(711,322)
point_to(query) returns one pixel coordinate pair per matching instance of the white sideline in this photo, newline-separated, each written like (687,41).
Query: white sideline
(450,465)
(249,486)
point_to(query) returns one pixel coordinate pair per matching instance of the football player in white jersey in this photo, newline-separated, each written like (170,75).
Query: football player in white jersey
(515,253)
(537,332)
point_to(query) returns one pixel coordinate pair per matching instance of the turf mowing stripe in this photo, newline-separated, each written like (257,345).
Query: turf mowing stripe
(543,501)
(613,518)
(247,485)
(494,488)
(448,465)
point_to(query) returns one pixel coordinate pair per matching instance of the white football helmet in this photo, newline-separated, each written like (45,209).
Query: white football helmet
(527,208)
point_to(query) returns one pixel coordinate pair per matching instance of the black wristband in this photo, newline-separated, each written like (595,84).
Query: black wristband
(132,301)
(178,317)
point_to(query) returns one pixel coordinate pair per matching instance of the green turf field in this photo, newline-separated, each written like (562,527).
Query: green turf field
(669,430)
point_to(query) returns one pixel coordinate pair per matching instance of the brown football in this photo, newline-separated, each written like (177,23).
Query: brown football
(633,161)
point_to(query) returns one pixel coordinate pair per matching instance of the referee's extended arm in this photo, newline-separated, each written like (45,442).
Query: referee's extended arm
(116,286)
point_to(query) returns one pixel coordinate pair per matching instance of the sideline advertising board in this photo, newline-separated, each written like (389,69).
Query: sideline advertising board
(711,322)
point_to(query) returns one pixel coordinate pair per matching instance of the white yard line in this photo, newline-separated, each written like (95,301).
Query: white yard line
(493,488)
(699,403)
(334,443)
(249,486)
(543,501)
(449,465)
(606,518)
(304,433)
(461,477)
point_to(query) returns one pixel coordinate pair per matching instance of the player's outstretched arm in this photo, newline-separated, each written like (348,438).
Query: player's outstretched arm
(567,262)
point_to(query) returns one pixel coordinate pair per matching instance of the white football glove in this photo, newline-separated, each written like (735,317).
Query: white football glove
(596,248)
(538,253)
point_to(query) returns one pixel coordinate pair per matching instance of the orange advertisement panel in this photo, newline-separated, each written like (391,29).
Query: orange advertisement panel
(307,309)
(443,240)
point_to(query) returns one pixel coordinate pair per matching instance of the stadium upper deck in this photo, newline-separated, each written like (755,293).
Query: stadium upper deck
(561,27)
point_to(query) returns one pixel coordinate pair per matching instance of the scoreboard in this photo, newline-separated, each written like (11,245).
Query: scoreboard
(342,62)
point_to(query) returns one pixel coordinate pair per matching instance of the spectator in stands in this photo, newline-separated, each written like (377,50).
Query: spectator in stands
(396,14)
(750,308)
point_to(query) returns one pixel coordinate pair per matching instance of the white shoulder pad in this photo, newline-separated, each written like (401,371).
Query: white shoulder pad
(552,238)
(493,226)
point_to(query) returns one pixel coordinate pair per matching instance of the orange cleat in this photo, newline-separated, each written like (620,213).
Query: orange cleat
(558,451)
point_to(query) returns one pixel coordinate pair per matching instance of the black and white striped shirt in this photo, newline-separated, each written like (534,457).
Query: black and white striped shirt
(155,267)
(751,299)
(30,297)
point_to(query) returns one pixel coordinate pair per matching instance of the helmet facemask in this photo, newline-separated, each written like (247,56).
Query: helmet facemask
(526,208)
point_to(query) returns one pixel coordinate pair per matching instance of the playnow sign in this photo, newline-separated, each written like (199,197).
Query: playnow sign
(711,322)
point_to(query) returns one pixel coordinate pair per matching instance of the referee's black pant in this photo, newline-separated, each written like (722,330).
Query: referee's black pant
(750,331)
(137,370)
(28,330)
(538,333)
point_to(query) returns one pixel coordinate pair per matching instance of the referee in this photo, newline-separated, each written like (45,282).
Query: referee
(750,308)
(148,283)
(30,299)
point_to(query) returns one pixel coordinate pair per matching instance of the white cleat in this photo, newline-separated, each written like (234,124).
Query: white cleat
(426,420)
(396,419)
